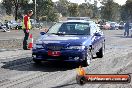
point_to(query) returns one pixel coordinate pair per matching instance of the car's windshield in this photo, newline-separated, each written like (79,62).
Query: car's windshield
(70,28)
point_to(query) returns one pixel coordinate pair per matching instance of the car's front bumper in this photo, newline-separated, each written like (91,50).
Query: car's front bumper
(66,55)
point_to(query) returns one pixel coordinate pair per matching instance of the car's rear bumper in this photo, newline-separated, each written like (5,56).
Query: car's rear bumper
(66,55)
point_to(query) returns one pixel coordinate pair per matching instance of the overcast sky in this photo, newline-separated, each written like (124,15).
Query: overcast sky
(121,2)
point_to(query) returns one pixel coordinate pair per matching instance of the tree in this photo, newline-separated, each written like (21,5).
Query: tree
(73,10)
(16,4)
(95,10)
(8,5)
(85,10)
(62,7)
(82,9)
(126,11)
(129,7)
(45,10)
(110,10)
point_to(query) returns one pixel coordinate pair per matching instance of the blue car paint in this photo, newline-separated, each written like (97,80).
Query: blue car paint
(65,54)
(78,39)
(67,40)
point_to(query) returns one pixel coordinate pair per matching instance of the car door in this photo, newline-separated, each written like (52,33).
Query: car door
(99,37)
(96,38)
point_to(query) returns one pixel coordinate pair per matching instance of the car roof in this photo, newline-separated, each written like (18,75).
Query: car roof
(82,21)
(78,18)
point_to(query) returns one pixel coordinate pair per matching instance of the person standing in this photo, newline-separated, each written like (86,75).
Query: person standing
(126,33)
(7,26)
(26,26)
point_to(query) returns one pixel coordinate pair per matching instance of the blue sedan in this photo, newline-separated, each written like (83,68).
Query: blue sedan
(70,41)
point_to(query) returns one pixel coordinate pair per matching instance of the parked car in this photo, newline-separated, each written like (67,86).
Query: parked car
(70,41)
(36,24)
(3,27)
(114,26)
(106,26)
(14,24)
(121,25)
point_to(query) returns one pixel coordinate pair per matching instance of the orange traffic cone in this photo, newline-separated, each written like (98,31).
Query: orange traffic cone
(30,45)
(81,71)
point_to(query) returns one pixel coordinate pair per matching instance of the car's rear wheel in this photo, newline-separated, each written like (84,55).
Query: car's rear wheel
(88,58)
(101,52)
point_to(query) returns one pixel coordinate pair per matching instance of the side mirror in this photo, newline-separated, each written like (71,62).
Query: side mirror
(97,34)
(42,33)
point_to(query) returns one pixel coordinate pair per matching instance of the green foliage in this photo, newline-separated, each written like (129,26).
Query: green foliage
(8,5)
(48,10)
(62,7)
(110,10)
(128,8)
(23,1)
(85,9)
(45,10)
(73,10)
(126,11)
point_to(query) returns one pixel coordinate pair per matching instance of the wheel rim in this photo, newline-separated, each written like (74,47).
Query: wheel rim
(103,49)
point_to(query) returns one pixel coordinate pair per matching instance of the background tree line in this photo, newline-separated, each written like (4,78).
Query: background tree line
(50,11)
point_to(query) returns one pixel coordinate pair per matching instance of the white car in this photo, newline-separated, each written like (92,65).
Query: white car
(36,24)
(3,27)
(114,26)
(13,24)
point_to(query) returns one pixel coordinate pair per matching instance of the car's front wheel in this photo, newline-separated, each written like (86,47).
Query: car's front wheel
(88,58)
(101,52)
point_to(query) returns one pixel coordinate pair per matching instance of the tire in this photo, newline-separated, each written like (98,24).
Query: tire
(88,59)
(100,54)
(37,61)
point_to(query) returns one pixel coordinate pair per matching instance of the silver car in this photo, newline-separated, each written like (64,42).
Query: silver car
(13,24)
(3,27)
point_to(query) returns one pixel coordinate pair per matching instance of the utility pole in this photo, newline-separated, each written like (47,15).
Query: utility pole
(35,10)
(16,9)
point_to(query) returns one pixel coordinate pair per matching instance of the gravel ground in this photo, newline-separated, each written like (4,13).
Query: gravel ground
(14,39)
(18,71)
